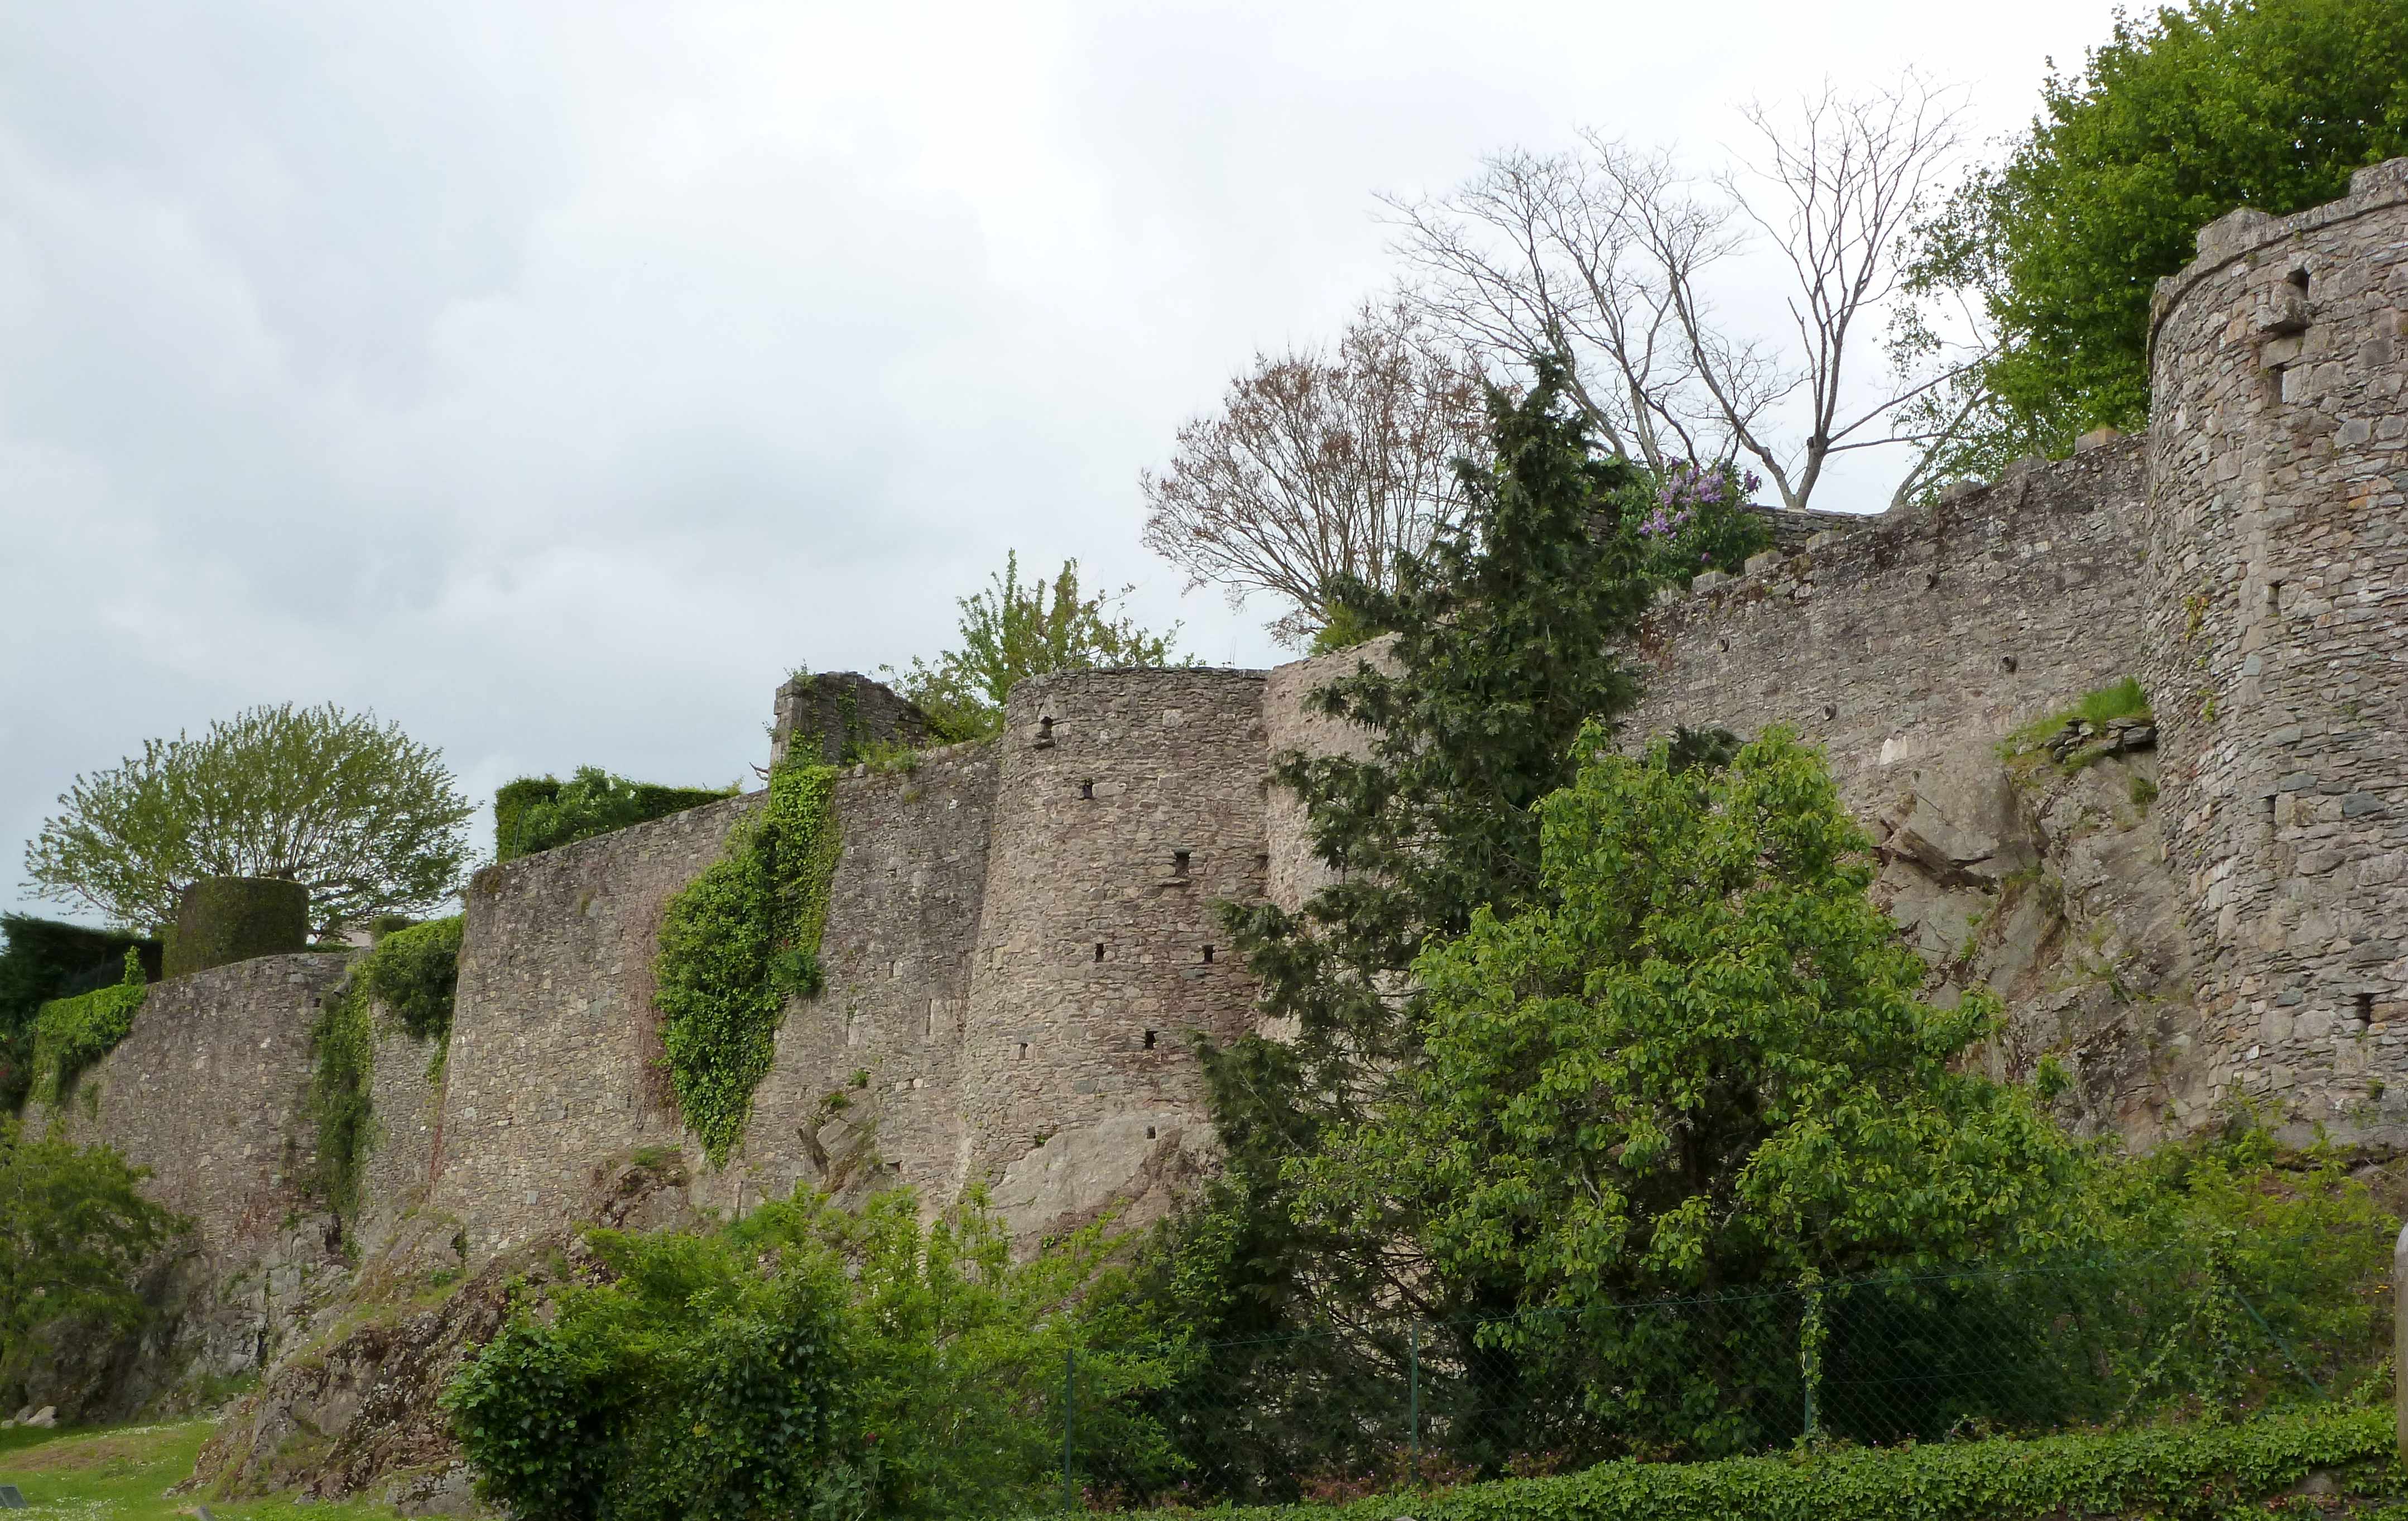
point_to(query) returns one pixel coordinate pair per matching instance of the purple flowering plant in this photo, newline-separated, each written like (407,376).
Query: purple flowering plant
(1695,517)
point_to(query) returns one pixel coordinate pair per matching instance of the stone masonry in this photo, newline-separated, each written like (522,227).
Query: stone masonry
(1023,940)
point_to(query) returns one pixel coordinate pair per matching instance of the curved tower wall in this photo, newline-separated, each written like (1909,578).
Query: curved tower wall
(1128,804)
(2276,655)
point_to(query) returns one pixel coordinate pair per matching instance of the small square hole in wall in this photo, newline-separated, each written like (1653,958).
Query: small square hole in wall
(1208,955)
(1024,1051)
(1149,1039)
(1087,789)
(1099,949)
(1178,863)
(1148,1132)
(2364,1010)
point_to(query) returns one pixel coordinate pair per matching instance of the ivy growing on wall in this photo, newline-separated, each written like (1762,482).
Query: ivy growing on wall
(413,973)
(736,944)
(71,1034)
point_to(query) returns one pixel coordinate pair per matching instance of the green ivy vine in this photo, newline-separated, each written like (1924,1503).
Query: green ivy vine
(736,944)
(71,1034)
(413,973)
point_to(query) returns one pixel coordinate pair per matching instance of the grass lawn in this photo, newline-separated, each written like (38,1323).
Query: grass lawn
(121,1473)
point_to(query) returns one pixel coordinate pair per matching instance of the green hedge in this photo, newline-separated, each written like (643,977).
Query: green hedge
(541,813)
(43,959)
(223,920)
(2176,1473)
(71,1034)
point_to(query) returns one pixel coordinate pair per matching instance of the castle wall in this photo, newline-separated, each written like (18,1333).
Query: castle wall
(1295,872)
(404,1096)
(555,1067)
(210,1091)
(902,930)
(1128,802)
(2278,650)
(1923,635)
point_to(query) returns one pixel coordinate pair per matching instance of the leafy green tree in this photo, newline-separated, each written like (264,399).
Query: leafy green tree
(2182,116)
(362,815)
(1506,632)
(1011,633)
(75,1231)
(1697,1061)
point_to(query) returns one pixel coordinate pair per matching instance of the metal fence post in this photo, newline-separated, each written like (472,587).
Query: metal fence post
(1069,1421)
(1413,1386)
(2400,1338)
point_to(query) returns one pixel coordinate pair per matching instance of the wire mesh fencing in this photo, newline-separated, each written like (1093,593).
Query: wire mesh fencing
(1349,1410)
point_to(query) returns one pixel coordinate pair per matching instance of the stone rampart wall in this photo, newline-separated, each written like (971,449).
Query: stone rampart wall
(2278,598)
(210,1091)
(556,1067)
(1128,803)
(1921,634)
(867,1086)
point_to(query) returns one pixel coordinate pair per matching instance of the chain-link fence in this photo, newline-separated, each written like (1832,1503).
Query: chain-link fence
(1362,1408)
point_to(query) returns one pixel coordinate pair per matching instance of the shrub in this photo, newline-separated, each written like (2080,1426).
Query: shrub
(805,1362)
(71,1034)
(541,813)
(42,959)
(1693,518)
(74,1232)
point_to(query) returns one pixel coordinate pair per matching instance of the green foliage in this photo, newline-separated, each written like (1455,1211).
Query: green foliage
(541,813)
(71,1034)
(341,1098)
(42,959)
(2192,1474)
(1011,633)
(413,973)
(223,920)
(806,1361)
(1346,628)
(2182,116)
(2232,1244)
(736,944)
(364,818)
(1697,1062)
(2118,699)
(1693,518)
(74,1232)
(1504,649)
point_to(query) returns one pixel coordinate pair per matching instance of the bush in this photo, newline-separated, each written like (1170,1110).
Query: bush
(541,813)
(2186,1474)
(71,1034)
(42,959)
(74,1232)
(803,1362)
(1693,518)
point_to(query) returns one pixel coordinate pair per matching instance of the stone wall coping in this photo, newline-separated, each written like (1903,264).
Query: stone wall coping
(1840,559)
(2240,233)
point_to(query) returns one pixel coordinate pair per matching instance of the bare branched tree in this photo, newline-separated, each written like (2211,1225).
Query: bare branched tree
(1607,255)
(1320,463)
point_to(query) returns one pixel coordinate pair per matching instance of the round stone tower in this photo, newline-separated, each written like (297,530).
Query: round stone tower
(2277,649)
(1129,804)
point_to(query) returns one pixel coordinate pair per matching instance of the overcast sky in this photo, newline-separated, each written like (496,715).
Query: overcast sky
(552,378)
